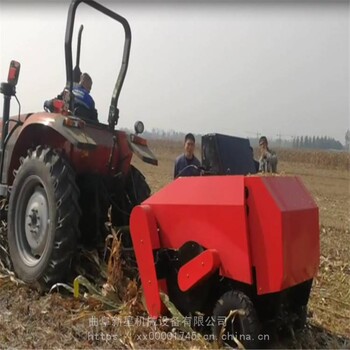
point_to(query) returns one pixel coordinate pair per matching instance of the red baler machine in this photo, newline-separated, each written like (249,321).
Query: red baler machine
(217,243)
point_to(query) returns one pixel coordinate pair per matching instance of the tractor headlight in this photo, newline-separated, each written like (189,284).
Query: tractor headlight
(139,127)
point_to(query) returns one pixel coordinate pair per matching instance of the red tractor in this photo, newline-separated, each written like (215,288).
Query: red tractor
(217,243)
(228,241)
(61,172)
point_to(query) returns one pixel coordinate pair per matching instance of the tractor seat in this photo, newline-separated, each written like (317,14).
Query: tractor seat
(88,115)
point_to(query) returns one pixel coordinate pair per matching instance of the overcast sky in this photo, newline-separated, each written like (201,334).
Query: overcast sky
(273,67)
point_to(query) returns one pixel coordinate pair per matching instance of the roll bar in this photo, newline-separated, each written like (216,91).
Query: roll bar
(76,70)
(113,109)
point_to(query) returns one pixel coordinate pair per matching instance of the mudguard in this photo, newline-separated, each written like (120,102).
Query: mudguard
(79,137)
(93,141)
(139,146)
(50,129)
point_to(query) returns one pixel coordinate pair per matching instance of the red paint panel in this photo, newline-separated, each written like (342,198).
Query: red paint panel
(265,227)
(210,211)
(284,232)
(123,155)
(198,269)
(289,193)
(145,239)
(202,190)
(301,246)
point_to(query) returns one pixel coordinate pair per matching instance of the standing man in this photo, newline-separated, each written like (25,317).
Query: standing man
(268,158)
(187,164)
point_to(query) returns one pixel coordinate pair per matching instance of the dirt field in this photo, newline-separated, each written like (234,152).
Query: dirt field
(28,320)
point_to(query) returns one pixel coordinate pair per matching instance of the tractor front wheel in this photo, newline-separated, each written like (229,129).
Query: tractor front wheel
(235,319)
(43,218)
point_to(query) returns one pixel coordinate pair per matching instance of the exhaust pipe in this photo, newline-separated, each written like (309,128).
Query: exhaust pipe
(8,90)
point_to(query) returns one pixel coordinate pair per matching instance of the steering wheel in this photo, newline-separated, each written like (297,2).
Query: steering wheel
(195,167)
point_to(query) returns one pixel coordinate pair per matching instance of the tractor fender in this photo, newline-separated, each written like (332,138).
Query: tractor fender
(77,136)
(139,146)
(40,128)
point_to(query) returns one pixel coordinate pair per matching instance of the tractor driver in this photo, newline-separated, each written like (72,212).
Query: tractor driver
(187,164)
(84,105)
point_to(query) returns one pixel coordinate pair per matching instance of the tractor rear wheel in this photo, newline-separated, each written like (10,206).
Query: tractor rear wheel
(242,323)
(43,218)
(137,187)
(135,190)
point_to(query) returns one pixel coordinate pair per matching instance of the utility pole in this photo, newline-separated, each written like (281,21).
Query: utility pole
(279,138)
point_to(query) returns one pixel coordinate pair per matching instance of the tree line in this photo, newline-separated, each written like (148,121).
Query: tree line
(307,142)
(316,142)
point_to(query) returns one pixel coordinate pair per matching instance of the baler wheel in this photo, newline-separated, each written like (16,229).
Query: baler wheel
(43,218)
(244,327)
(301,317)
(298,300)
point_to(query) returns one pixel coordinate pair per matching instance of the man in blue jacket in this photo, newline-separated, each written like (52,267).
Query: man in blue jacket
(83,102)
(187,164)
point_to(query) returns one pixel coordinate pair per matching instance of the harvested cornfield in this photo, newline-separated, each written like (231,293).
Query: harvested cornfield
(320,159)
(110,313)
